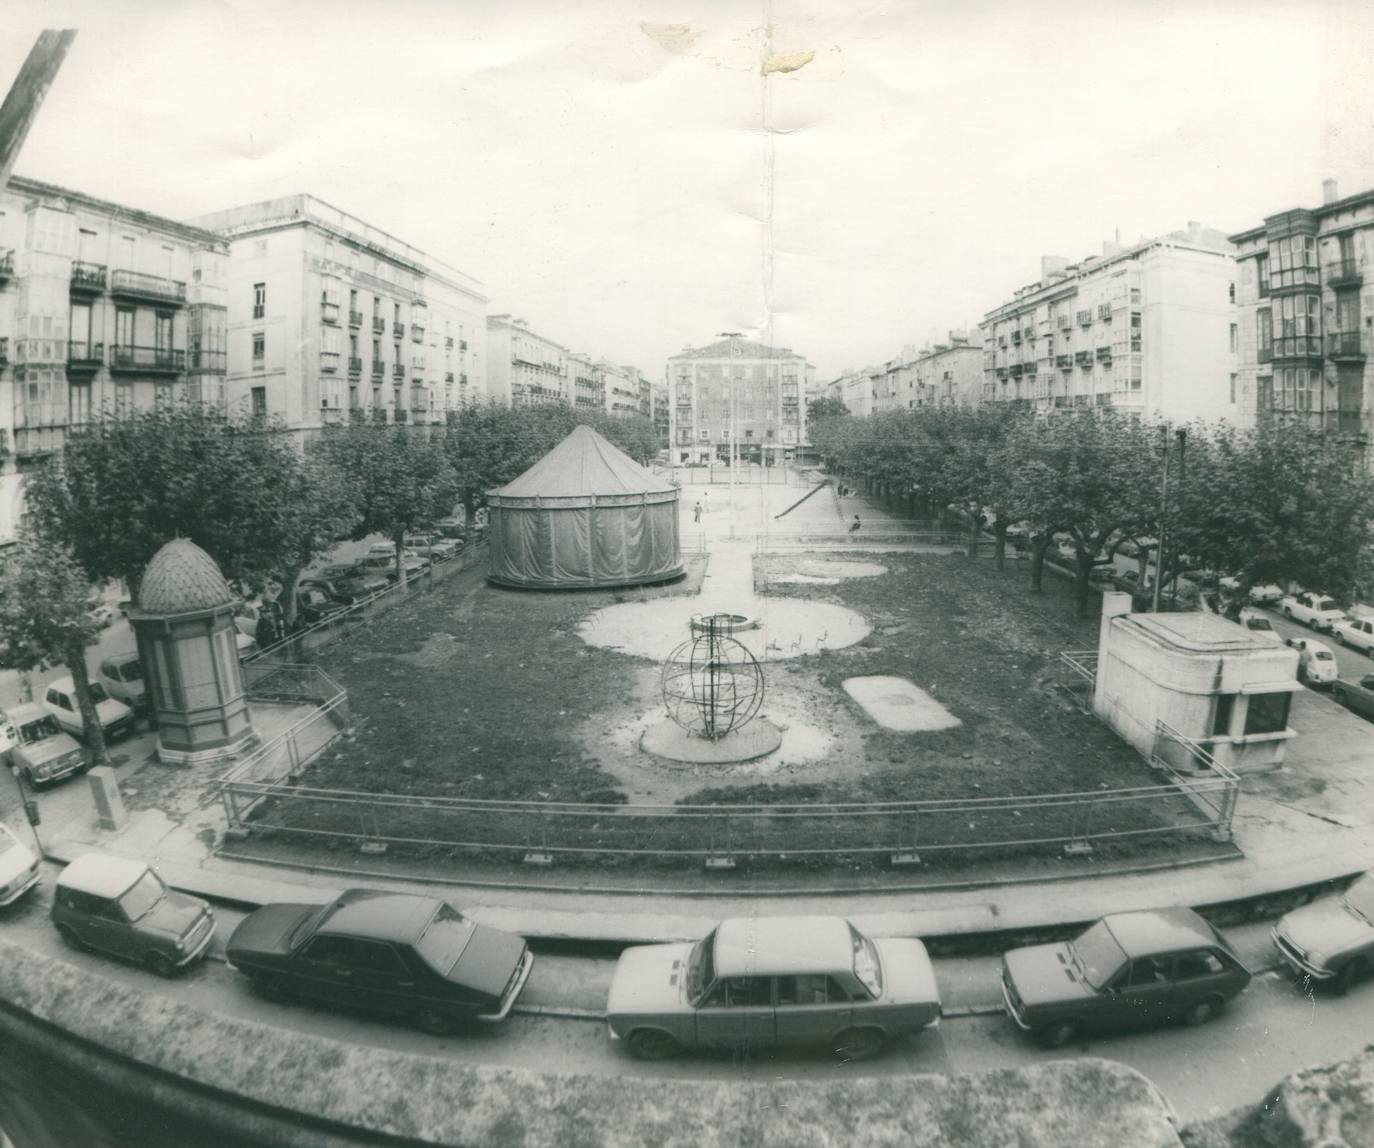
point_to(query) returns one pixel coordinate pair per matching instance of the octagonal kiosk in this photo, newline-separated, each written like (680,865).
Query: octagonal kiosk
(1180,687)
(184,624)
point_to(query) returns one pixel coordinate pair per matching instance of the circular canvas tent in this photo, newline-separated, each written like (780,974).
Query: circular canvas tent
(584,515)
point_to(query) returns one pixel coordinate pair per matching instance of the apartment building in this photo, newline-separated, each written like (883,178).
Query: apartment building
(946,374)
(587,384)
(661,415)
(332,318)
(102,308)
(737,391)
(621,388)
(524,368)
(1305,314)
(856,390)
(1148,329)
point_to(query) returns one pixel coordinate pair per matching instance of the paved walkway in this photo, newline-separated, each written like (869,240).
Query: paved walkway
(1312,821)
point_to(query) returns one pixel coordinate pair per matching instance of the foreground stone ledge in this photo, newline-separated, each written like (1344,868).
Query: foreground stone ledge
(80,1054)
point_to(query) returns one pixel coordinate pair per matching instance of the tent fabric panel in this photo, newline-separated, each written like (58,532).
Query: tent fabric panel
(584,463)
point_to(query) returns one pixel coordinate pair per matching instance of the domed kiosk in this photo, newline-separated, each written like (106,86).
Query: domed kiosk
(184,624)
(586,515)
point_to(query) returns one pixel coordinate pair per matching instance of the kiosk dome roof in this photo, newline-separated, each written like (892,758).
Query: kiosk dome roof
(181,579)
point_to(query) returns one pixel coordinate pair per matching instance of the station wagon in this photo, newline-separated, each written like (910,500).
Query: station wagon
(762,981)
(1331,940)
(1127,970)
(42,752)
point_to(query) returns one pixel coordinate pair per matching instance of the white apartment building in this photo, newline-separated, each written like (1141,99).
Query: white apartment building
(331,318)
(856,390)
(737,390)
(620,388)
(1149,329)
(586,382)
(524,368)
(102,308)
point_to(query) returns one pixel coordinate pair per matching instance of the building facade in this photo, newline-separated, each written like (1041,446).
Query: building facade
(524,369)
(1305,314)
(586,383)
(1148,329)
(621,388)
(661,415)
(737,391)
(946,374)
(102,308)
(855,389)
(332,318)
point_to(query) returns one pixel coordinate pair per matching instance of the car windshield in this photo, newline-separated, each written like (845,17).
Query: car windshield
(38,729)
(306,925)
(1323,655)
(1097,955)
(98,693)
(866,965)
(1259,624)
(444,938)
(129,672)
(1327,604)
(701,969)
(142,895)
(1359,899)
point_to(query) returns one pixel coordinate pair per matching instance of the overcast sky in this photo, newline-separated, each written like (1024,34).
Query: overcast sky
(628,179)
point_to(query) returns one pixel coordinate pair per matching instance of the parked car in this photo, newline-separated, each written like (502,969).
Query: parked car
(1126,970)
(1331,940)
(101,612)
(18,867)
(1260,595)
(436,544)
(43,753)
(245,645)
(121,907)
(394,953)
(122,677)
(388,549)
(348,582)
(454,529)
(385,564)
(314,605)
(1316,663)
(761,981)
(60,700)
(1257,622)
(1358,696)
(1357,633)
(1315,610)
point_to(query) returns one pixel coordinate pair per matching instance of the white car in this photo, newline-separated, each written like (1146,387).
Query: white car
(1315,610)
(60,700)
(18,867)
(1316,663)
(1259,625)
(1357,633)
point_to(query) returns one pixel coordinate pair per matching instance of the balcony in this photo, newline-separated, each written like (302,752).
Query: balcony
(462,344)
(1001,372)
(1031,367)
(146,361)
(1065,322)
(4,353)
(137,285)
(34,442)
(88,278)
(398,371)
(355,318)
(1265,354)
(355,366)
(1104,312)
(378,325)
(1085,318)
(378,370)
(329,362)
(1084,358)
(417,334)
(1016,369)
(1345,345)
(448,342)
(6,264)
(1104,355)
(1343,273)
(212,362)
(1064,362)
(1298,347)
(398,330)
(448,376)
(1016,337)
(84,358)
(401,415)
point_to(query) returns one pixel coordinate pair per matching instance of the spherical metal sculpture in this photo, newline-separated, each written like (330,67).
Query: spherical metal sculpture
(711,683)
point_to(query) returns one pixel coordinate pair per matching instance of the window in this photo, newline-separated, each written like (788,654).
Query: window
(1264,328)
(1221,716)
(259,300)
(259,397)
(259,347)
(1262,266)
(1235,335)
(1189,966)
(1268,713)
(162,331)
(124,327)
(1146,971)
(1231,293)
(742,992)
(376,306)
(1233,386)
(810,989)
(704,436)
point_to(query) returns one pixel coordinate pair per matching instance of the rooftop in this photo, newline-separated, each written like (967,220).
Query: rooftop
(736,348)
(773,946)
(181,579)
(22,185)
(1200,633)
(101,875)
(380,916)
(1159,931)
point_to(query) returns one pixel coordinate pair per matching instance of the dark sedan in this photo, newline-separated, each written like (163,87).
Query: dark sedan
(1129,969)
(394,953)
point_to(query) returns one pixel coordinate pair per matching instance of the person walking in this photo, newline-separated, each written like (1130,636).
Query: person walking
(696,512)
(854,526)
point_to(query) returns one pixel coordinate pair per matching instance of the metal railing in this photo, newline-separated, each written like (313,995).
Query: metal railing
(88,276)
(1212,786)
(147,286)
(864,539)
(146,358)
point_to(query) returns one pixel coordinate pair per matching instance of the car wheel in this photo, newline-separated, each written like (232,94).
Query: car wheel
(652,1044)
(1348,975)
(1338,695)
(159,963)
(1059,1033)
(1200,1012)
(859,1043)
(1340,638)
(436,1021)
(28,776)
(71,939)
(269,987)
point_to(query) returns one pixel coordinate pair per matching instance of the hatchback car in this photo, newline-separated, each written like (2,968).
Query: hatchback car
(42,753)
(121,907)
(60,700)
(1316,663)
(122,677)
(1331,940)
(761,981)
(395,953)
(1315,610)
(18,867)
(1357,633)
(1127,970)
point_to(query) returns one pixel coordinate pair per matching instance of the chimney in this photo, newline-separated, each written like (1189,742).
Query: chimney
(1194,229)
(1051,265)
(1329,191)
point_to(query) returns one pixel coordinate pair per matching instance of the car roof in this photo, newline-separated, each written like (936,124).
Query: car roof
(378,915)
(101,874)
(1159,931)
(66,685)
(771,946)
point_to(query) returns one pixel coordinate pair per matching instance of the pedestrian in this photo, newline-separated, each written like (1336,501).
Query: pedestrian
(854,526)
(696,512)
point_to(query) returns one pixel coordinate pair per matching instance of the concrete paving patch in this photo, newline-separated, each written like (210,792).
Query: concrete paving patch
(667,739)
(897,704)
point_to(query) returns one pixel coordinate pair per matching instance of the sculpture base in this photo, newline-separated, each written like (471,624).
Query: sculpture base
(226,752)
(669,740)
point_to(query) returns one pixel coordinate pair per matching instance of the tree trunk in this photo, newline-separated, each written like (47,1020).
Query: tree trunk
(1083,568)
(999,549)
(975,530)
(291,576)
(400,562)
(74,654)
(1037,563)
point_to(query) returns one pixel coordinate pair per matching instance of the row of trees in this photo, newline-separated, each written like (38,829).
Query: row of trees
(245,491)
(1278,503)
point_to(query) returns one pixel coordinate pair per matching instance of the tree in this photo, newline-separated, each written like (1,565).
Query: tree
(321,507)
(824,407)
(127,484)
(44,618)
